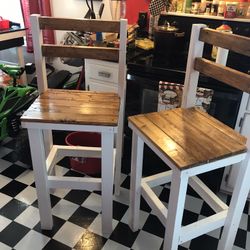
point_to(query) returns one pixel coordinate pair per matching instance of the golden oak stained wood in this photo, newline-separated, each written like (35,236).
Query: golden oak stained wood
(100,53)
(79,24)
(88,109)
(224,74)
(185,141)
(229,41)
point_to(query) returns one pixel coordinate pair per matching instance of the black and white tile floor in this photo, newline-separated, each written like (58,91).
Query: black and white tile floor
(77,214)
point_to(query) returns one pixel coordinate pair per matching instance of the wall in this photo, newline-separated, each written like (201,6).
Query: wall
(134,7)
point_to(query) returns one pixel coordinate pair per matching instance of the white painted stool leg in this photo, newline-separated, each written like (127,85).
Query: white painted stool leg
(175,209)
(41,178)
(19,51)
(107,181)
(236,207)
(135,182)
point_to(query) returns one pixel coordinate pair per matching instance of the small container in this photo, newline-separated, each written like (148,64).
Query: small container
(242,9)
(231,8)
(248,11)
(221,8)
(195,7)
(223,28)
(214,8)
(203,6)
(208,7)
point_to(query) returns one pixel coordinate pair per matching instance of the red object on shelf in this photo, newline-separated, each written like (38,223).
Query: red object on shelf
(4,24)
(89,166)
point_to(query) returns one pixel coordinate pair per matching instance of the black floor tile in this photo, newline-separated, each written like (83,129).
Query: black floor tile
(57,224)
(154,226)
(91,241)
(119,210)
(77,196)
(126,183)
(189,217)
(13,208)
(13,188)
(55,245)
(53,199)
(164,195)
(123,235)
(83,217)
(241,238)
(204,242)
(13,233)
(13,171)
(206,210)
(12,157)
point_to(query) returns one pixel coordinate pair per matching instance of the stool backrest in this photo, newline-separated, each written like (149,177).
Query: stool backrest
(217,70)
(41,50)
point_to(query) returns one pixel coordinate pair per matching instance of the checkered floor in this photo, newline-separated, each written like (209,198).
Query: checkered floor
(77,214)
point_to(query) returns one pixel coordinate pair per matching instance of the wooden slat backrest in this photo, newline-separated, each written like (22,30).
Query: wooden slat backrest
(216,70)
(53,23)
(38,23)
(110,54)
(224,74)
(232,42)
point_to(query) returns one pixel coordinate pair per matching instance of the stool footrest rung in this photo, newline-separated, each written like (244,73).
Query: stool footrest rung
(154,202)
(158,179)
(207,194)
(70,182)
(203,226)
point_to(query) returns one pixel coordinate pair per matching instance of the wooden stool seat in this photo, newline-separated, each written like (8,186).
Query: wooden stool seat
(76,110)
(191,142)
(189,137)
(74,107)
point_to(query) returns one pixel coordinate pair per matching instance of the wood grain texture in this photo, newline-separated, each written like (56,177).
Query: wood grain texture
(224,74)
(99,53)
(188,137)
(74,24)
(236,43)
(74,107)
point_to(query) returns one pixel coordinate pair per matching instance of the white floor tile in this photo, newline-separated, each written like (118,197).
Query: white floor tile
(248,241)
(32,240)
(123,197)
(27,177)
(4,247)
(4,180)
(29,217)
(28,195)
(4,222)
(60,192)
(243,222)
(64,209)
(142,218)
(60,171)
(4,151)
(147,241)
(93,202)
(110,244)
(193,204)
(4,199)
(69,234)
(4,164)
(96,226)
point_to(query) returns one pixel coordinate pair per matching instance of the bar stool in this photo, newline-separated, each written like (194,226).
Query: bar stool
(192,142)
(75,110)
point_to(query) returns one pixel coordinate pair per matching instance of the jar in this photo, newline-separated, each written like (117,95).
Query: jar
(242,8)
(195,7)
(231,8)
(223,28)
(214,8)
(221,8)
(208,7)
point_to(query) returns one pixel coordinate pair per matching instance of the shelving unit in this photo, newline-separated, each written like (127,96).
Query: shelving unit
(247,20)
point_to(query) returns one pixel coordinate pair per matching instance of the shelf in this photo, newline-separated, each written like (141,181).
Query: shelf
(208,17)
